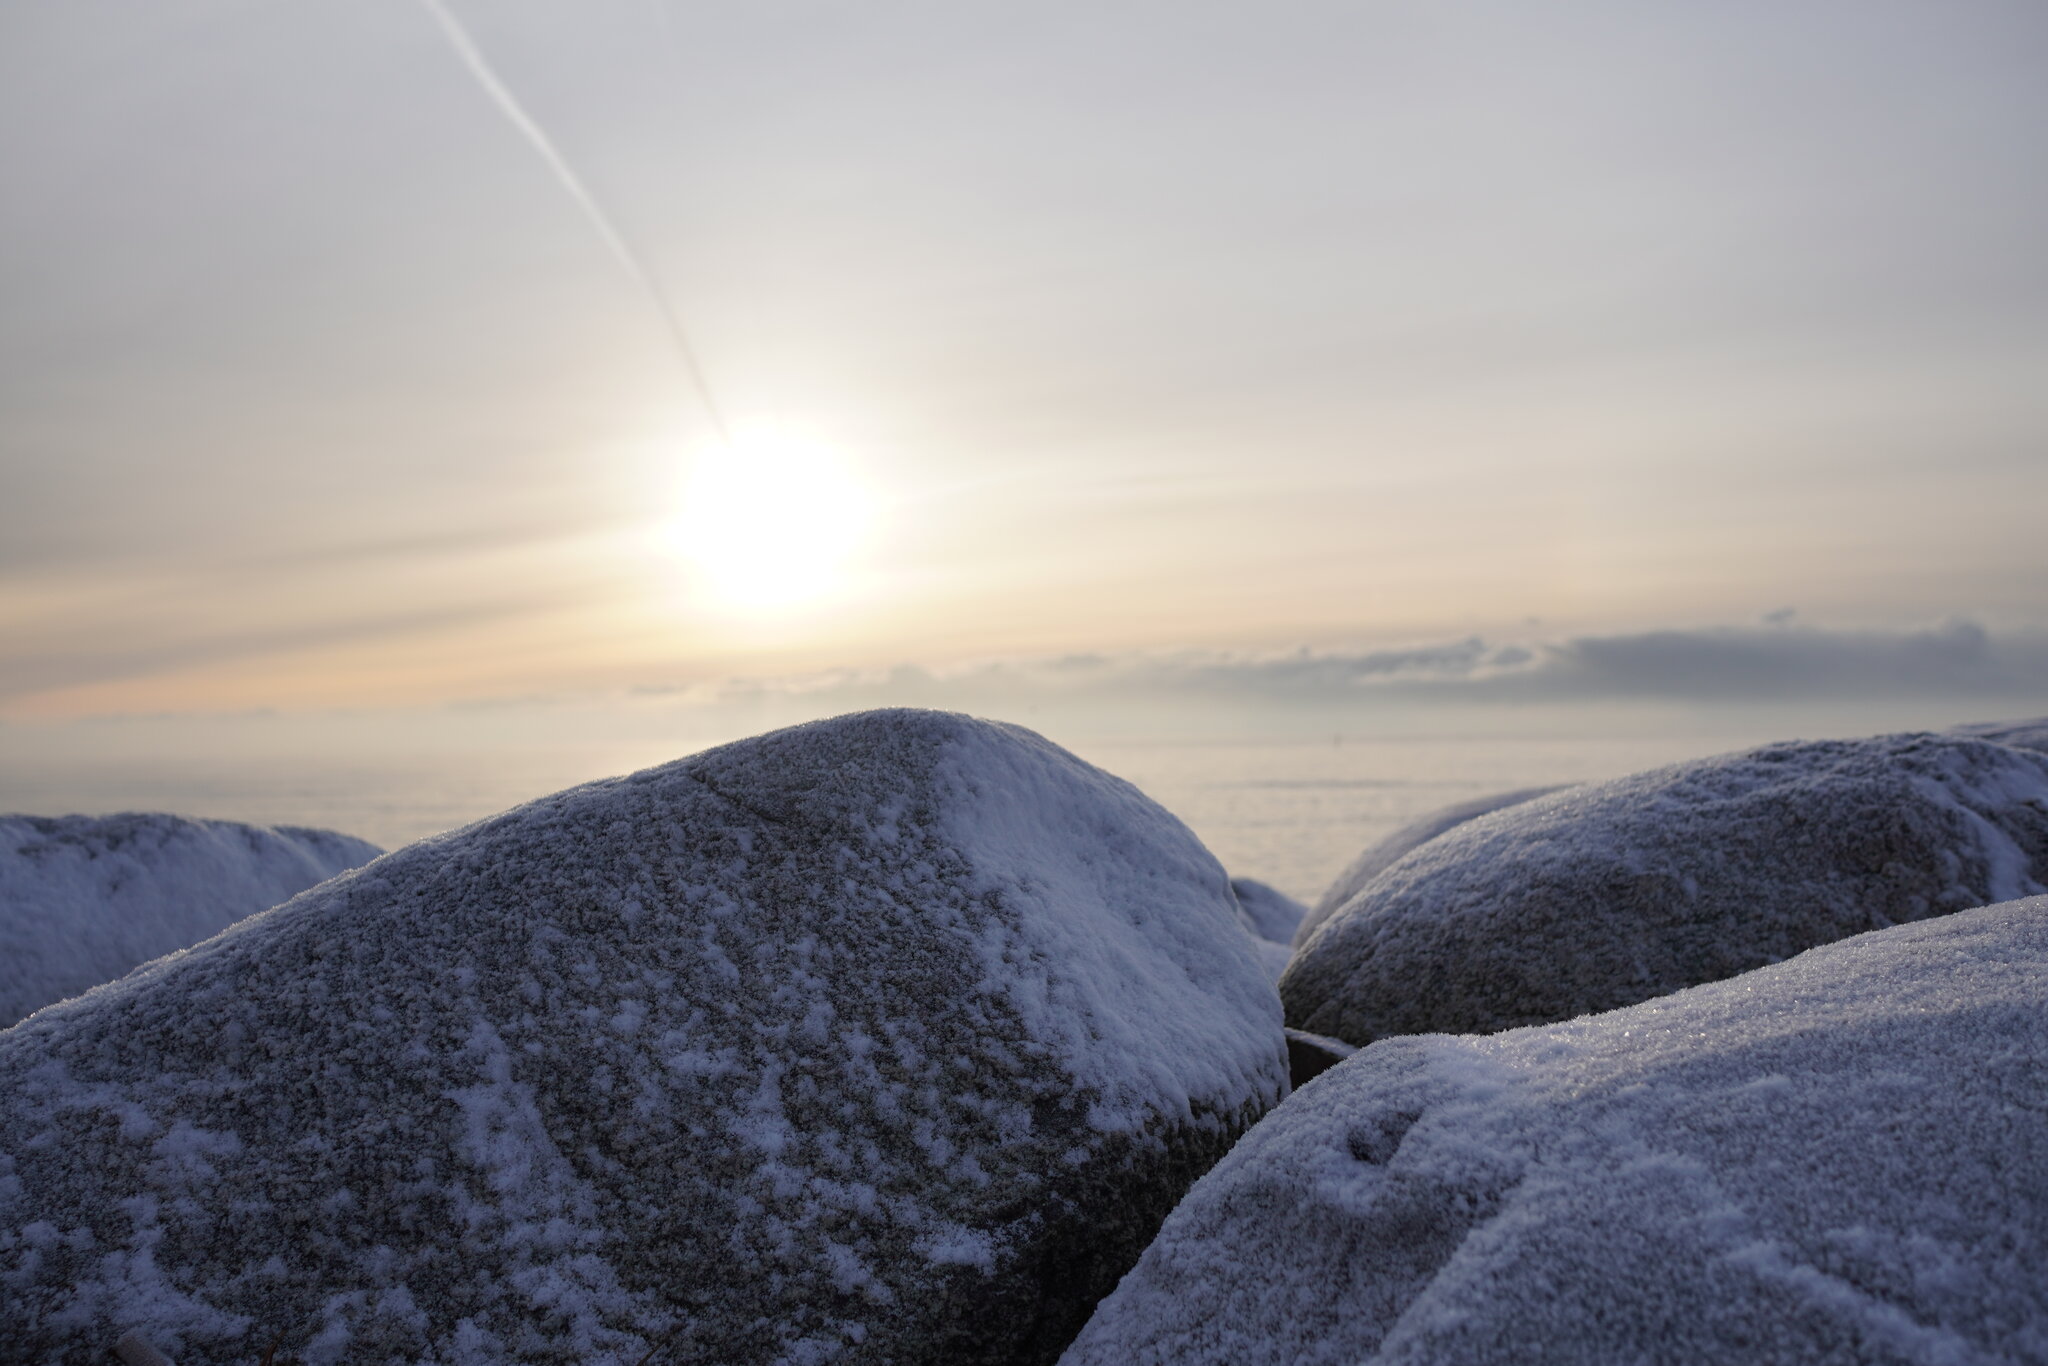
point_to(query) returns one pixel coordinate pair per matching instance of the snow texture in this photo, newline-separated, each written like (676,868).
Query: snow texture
(887,1038)
(1834,1161)
(2032,734)
(1389,851)
(1600,896)
(85,898)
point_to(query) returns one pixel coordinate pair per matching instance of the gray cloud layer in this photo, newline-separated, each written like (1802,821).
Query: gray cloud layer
(1957,659)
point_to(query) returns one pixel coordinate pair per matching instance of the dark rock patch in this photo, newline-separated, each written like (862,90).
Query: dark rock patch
(1311,1055)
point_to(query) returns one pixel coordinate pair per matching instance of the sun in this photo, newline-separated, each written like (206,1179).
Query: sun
(771,521)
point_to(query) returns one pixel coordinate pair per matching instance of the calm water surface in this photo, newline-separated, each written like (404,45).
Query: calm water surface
(1289,812)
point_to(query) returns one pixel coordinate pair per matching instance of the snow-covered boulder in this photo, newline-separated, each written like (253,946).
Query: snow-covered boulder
(887,1038)
(2032,734)
(1269,913)
(1389,851)
(1837,1159)
(1601,896)
(1269,917)
(85,898)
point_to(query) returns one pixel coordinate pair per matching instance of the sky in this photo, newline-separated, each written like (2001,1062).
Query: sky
(383,356)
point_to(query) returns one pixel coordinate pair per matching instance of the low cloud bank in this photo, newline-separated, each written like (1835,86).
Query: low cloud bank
(1957,659)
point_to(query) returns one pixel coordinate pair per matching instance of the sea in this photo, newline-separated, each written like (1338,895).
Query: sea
(1289,810)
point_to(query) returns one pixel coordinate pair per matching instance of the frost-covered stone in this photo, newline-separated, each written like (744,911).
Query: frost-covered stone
(1269,917)
(1382,856)
(85,898)
(1836,1160)
(887,1038)
(1269,913)
(1601,896)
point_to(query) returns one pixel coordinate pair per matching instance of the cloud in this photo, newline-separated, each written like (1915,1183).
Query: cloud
(1958,663)
(1956,657)
(465,48)
(82,656)
(1779,662)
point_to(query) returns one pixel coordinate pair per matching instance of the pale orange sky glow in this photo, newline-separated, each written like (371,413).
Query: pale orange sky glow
(1124,329)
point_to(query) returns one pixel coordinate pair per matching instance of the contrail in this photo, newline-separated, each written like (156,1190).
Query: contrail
(479,66)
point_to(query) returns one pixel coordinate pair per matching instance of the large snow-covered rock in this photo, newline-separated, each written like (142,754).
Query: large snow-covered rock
(85,898)
(886,1038)
(1269,917)
(1379,857)
(1268,912)
(1601,896)
(1838,1159)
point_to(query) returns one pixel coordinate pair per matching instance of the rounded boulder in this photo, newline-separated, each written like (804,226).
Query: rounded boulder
(1833,1160)
(886,1038)
(85,898)
(1600,896)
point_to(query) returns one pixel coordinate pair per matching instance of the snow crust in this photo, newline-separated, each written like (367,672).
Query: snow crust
(1836,1159)
(1599,896)
(1391,850)
(85,898)
(891,1037)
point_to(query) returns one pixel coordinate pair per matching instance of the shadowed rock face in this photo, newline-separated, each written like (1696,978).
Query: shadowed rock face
(1601,896)
(85,898)
(1832,1160)
(1399,845)
(1311,1055)
(889,1038)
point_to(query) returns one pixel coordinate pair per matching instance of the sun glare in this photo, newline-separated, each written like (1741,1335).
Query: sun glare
(771,522)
